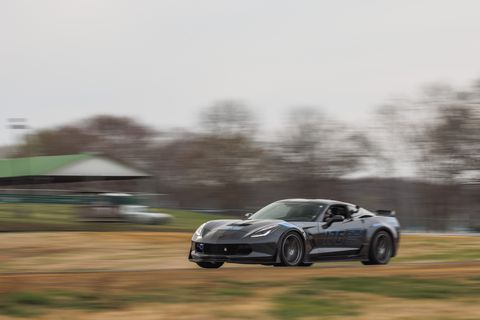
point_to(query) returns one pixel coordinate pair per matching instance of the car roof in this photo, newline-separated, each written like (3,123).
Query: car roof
(326,201)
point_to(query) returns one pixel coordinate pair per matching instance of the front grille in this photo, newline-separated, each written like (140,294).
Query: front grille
(223,249)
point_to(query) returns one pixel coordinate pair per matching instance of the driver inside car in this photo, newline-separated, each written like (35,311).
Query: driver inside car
(329,214)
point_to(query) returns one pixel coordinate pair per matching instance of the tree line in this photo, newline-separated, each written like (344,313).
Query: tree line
(418,155)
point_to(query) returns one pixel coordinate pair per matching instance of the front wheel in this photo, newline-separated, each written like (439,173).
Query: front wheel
(291,249)
(381,249)
(210,265)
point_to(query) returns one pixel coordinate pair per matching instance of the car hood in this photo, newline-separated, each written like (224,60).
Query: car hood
(235,229)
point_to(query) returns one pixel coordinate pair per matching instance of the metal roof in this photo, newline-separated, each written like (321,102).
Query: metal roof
(65,168)
(36,166)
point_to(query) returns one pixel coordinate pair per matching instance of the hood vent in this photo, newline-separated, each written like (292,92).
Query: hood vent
(242,224)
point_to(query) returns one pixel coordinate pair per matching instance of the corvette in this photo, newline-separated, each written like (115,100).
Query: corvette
(298,232)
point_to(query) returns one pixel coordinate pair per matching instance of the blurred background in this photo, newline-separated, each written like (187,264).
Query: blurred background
(146,116)
(419,157)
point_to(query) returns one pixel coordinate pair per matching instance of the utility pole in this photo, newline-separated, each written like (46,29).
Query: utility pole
(16,124)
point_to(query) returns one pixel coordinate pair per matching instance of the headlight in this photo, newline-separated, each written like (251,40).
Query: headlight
(200,229)
(263,232)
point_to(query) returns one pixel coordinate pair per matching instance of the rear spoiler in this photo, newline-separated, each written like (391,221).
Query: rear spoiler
(387,213)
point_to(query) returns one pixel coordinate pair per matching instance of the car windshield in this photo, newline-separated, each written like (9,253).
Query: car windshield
(290,211)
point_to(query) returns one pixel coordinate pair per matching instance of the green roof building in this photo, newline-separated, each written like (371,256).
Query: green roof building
(65,168)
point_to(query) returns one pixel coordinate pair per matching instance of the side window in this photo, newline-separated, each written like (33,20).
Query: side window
(336,210)
(343,211)
(328,214)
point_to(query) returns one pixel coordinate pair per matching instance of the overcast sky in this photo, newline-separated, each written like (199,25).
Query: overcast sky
(161,61)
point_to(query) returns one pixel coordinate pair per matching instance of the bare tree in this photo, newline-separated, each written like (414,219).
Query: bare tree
(314,146)
(67,139)
(449,142)
(228,119)
(119,137)
(441,133)
(224,156)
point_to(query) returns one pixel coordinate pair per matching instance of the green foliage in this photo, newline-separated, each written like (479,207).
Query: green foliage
(317,297)
(212,292)
(400,287)
(453,254)
(30,298)
(26,304)
(300,303)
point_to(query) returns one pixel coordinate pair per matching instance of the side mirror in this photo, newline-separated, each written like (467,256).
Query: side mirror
(335,218)
(248,215)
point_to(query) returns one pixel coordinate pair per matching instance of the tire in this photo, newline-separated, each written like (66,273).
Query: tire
(291,250)
(381,249)
(210,265)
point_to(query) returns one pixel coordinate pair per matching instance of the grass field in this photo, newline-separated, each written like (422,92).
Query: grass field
(355,297)
(60,217)
(145,275)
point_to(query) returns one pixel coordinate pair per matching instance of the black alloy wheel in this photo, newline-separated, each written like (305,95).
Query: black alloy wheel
(291,249)
(381,249)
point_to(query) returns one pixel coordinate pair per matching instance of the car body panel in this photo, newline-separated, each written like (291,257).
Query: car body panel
(232,241)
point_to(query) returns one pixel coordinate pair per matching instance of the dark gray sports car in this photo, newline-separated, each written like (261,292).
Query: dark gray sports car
(299,232)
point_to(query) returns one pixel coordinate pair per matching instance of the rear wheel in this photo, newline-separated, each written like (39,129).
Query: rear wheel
(291,249)
(210,265)
(381,249)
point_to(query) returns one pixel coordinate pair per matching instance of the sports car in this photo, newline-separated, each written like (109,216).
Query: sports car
(298,232)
